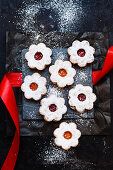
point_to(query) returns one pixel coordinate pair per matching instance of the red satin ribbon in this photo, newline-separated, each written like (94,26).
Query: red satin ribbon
(107,67)
(15,79)
(6,93)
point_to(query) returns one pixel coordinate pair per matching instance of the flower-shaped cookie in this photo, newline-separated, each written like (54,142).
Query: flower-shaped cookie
(38,56)
(81,98)
(34,86)
(81,53)
(62,73)
(52,108)
(67,135)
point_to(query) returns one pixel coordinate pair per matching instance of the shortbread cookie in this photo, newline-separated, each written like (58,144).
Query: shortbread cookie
(38,56)
(67,135)
(34,86)
(52,108)
(81,53)
(62,73)
(81,98)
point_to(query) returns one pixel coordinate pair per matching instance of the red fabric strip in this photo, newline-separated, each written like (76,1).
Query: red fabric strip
(7,95)
(15,79)
(107,67)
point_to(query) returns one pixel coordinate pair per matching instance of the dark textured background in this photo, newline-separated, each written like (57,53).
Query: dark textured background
(94,152)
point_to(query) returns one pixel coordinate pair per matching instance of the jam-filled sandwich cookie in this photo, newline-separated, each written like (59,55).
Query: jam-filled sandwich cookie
(81,53)
(38,56)
(81,98)
(62,73)
(52,108)
(34,86)
(67,135)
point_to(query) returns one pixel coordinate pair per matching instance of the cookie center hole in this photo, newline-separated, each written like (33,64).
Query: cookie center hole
(67,135)
(38,56)
(82,97)
(33,86)
(81,52)
(62,72)
(52,107)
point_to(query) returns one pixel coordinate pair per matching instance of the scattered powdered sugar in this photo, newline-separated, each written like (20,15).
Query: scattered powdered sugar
(69,14)
(54,90)
(87,124)
(27,13)
(61,56)
(36,16)
(83,75)
(53,155)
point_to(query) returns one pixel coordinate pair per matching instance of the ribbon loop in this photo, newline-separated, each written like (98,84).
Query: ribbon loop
(107,67)
(7,95)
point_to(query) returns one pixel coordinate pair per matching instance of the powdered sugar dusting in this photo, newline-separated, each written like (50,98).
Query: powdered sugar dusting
(65,14)
(27,13)
(54,90)
(54,155)
(61,56)
(69,13)
(83,76)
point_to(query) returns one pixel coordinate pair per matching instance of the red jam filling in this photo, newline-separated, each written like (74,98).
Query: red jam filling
(33,86)
(52,107)
(62,72)
(82,97)
(38,56)
(67,135)
(81,52)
